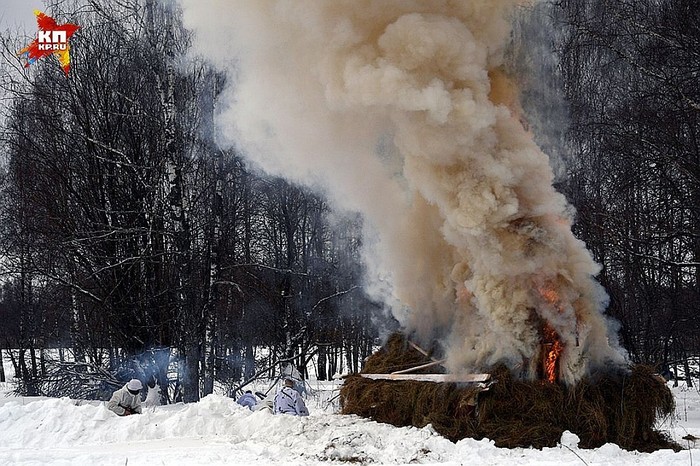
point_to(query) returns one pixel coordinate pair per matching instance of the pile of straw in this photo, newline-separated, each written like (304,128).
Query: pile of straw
(619,407)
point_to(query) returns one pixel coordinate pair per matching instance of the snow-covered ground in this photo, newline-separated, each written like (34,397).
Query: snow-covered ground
(40,431)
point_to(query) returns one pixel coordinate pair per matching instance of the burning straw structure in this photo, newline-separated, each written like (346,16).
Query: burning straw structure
(618,407)
(408,112)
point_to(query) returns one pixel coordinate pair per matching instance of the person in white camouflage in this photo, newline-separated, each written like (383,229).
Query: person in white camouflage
(127,400)
(248,400)
(288,400)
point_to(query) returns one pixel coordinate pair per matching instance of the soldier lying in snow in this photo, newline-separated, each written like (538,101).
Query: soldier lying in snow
(248,399)
(126,400)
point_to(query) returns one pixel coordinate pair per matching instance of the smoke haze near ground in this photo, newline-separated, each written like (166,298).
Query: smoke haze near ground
(401,110)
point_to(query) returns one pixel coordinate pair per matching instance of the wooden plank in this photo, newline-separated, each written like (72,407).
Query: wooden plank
(420,350)
(422,366)
(431,377)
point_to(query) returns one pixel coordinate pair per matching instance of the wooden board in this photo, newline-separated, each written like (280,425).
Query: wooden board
(464,378)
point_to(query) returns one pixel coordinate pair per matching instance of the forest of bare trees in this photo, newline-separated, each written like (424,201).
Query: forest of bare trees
(630,72)
(131,240)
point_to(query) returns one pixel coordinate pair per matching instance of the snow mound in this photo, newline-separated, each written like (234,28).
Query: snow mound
(218,431)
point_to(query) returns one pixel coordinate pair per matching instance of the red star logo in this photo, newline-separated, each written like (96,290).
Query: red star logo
(51,39)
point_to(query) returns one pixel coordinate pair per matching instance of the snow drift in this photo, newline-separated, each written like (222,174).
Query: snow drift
(218,431)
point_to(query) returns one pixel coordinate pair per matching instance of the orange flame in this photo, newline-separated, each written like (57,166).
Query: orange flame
(549,294)
(553,348)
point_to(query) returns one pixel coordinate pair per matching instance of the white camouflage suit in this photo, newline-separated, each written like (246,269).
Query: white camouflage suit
(123,399)
(288,401)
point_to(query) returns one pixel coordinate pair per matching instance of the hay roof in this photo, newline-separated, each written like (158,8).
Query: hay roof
(618,407)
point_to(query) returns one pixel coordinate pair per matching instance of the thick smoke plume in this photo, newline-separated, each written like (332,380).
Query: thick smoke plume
(400,109)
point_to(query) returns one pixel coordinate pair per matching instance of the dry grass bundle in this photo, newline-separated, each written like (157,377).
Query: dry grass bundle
(447,406)
(621,408)
(397,354)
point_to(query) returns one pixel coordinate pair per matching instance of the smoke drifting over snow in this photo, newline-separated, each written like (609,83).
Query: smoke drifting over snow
(399,109)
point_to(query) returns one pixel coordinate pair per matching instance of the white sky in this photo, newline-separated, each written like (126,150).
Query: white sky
(16,14)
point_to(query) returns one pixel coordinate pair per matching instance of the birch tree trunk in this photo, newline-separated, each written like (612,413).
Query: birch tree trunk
(210,343)
(176,215)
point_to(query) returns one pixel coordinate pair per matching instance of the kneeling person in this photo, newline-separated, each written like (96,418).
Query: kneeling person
(127,400)
(288,401)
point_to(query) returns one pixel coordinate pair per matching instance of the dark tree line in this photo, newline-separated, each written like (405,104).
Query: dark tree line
(630,71)
(130,238)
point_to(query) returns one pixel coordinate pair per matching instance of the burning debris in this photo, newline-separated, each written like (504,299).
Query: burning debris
(621,407)
(549,356)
